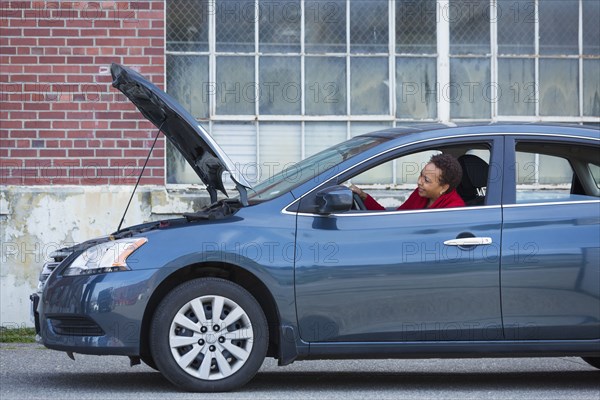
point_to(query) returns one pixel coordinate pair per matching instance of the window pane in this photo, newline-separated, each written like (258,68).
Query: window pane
(516,86)
(187,82)
(469,26)
(559,27)
(559,93)
(235,25)
(516,26)
(325,85)
(235,85)
(279,25)
(416,91)
(280,90)
(591,88)
(369,26)
(321,135)
(178,169)
(187,25)
(408,168)
(369,85)
(469,93)
(325,26)
(383,173)
(416,27)
(591,27)
(238,141)
(279,148)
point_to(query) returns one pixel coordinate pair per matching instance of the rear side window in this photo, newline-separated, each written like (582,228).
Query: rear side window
(555,172)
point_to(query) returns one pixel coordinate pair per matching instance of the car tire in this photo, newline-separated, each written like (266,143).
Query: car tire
(200,351)
(593,361)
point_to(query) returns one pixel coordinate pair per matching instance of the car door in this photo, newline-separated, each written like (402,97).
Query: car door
(550,274)
(365,276)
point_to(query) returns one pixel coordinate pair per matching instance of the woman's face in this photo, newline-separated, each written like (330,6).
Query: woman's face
(429,182)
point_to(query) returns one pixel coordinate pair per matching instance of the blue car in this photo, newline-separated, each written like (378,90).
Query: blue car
(297,267)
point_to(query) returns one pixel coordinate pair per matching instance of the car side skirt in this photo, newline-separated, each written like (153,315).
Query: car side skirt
(471,349)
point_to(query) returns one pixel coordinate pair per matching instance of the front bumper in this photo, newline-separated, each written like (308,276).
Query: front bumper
(95,314)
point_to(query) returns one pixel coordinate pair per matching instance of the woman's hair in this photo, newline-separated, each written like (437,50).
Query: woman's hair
(451,170)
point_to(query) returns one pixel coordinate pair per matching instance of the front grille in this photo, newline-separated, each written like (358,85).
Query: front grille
(75,326)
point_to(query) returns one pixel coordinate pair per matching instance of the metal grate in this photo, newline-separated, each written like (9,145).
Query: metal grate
(469,26)
(325,24)
(416,27)
(187,25)
(369,26)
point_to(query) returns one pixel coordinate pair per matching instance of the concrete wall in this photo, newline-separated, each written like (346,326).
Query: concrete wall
(36,220)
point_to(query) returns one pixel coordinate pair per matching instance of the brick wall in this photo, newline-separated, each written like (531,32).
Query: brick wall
(61,122)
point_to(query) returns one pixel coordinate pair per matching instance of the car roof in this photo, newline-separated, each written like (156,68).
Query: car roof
(440,129)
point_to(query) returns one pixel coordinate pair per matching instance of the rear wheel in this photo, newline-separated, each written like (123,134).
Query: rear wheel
(593,361)
(209,335)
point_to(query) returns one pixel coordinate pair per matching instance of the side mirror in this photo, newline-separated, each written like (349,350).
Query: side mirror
(334,198)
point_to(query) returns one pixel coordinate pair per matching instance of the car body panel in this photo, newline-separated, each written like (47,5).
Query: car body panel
(389,276)
(551,271)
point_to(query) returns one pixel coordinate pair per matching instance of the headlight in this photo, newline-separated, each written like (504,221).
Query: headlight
(105,257)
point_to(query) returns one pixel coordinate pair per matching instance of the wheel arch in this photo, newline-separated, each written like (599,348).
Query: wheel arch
(223,270)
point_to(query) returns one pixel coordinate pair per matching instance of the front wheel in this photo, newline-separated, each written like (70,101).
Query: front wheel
(209,335)
(593,361)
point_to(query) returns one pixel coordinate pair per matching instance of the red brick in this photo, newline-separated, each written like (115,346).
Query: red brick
(51,115)
(37,163)
(8,50)
(43,134)
(94,32)
(21,41)
(5,143)
(65,124)
(36,106)
(108,153)
(21,153)
(12,32)
(52,41)
(13,106)
(22,59)
(38,69)
(81,153)
(52,59)
(53,153)
(150,32)
(96,162)
(23,134)
(11,124)
(27,32)
(65,106)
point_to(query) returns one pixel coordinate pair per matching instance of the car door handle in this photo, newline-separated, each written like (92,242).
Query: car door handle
(468,241)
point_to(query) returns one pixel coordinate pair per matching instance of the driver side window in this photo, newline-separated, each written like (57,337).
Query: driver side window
(392,182)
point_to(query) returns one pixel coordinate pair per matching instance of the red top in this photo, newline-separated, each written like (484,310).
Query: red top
(416,202)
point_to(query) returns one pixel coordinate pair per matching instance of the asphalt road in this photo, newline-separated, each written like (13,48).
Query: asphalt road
(32,372)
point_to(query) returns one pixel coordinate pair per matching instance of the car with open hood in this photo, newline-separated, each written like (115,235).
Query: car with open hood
(296,267)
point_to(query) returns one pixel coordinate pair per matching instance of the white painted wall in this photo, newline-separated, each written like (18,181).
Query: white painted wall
(36,220)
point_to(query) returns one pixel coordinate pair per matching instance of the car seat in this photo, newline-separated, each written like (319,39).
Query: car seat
(473,185)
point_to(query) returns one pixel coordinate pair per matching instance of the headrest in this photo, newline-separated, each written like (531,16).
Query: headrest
(474,169)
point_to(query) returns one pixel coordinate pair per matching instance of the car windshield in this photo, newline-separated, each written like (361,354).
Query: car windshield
(310,167)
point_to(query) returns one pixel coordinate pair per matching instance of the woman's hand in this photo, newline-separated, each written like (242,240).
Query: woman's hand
(359,192)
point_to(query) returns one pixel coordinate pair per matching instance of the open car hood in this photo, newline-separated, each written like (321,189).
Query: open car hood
(195,144)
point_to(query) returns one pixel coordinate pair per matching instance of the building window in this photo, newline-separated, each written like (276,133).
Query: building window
(287,78)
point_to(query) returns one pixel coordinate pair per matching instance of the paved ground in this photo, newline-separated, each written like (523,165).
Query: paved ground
(33,372)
